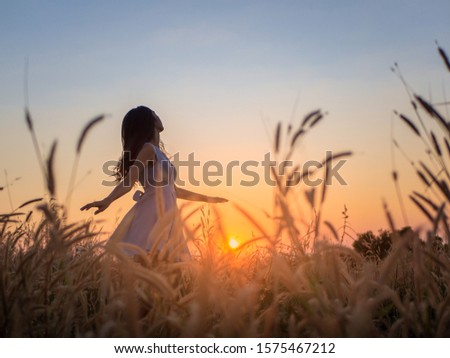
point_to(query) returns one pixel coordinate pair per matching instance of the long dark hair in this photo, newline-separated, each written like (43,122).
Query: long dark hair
(138,127)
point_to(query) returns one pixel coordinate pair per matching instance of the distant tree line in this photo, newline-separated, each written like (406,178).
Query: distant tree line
(376,247)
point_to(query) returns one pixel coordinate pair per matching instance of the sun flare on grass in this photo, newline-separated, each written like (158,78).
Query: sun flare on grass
(233,243)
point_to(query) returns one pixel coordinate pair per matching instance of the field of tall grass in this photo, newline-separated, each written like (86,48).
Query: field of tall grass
(58,279)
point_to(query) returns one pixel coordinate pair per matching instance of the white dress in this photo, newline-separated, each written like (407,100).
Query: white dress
(153,224)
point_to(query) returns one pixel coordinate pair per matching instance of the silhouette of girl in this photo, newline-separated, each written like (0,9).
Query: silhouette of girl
(153,222)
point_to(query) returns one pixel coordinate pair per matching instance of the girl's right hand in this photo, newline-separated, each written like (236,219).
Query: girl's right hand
(216,199)
(102,205)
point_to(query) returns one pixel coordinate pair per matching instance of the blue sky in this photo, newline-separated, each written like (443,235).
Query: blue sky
(217,72)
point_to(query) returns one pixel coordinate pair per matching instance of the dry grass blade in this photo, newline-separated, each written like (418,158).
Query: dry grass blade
(427,200)
(34,139)
(49,214)
(433,113)
(316,120)
(28,217)
(309,117)
(389,216)
(332,229)
(50,172)
(439,216)
(423,178)
(277,177)
(86,129)
(29,202)
(277,137)
(436,146)
(28,119)
(155,279)
(410,124)
(12,214)
(70,230)
(443,188)
(293,178)
(337,156)
(422,208)
(310,196)
(296,135)
(395,175)
(325,183)
(447,145)
(444,57)
(6,220)
(81,140)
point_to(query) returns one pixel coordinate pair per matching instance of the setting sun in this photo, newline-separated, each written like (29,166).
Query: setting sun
(233,243)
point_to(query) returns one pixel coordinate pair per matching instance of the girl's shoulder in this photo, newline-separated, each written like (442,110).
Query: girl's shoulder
(156,151)
(147,152)
(149,144)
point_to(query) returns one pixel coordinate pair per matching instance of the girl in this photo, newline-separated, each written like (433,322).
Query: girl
(153,222)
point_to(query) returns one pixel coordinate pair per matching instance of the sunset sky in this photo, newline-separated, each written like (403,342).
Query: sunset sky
(220,74)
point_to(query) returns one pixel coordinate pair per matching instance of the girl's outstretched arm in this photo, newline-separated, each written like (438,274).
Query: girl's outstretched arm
(190,195)
(146,154)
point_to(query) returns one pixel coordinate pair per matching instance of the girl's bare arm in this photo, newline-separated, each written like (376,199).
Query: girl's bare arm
(146,154)
(190,195)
